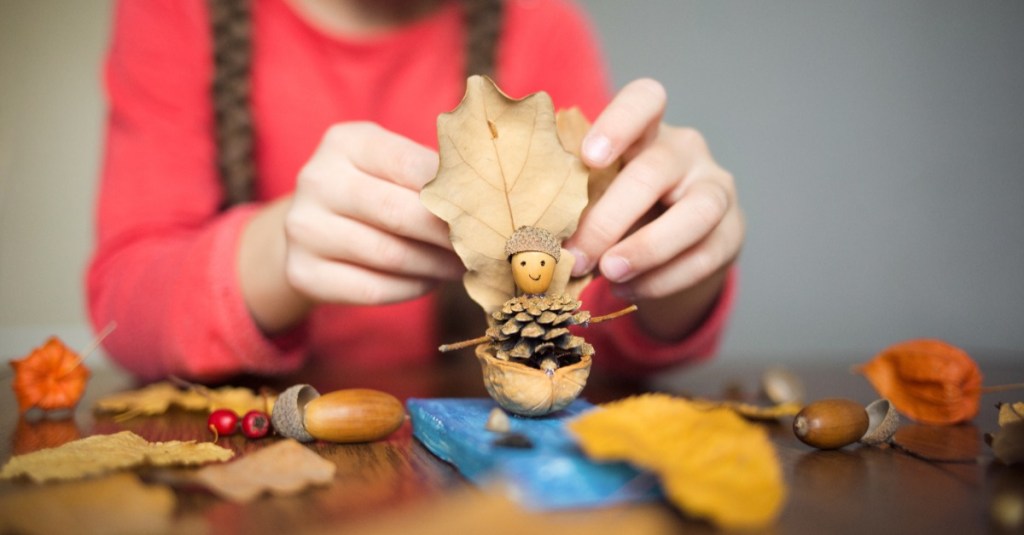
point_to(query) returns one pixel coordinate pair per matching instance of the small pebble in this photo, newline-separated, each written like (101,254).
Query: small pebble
(513,440)
(497,421)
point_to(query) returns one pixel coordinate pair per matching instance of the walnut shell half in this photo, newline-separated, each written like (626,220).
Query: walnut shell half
(530,391)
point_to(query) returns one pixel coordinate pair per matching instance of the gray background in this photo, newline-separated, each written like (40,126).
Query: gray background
(878,146)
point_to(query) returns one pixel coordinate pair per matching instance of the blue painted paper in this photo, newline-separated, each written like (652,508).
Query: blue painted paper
(554,474)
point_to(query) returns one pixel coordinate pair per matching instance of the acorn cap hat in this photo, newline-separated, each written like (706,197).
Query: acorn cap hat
(533,239)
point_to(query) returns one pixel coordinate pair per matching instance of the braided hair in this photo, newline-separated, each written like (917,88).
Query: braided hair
(231,25)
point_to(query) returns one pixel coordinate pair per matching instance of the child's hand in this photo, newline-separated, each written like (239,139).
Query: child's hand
(670,220)
(356,230)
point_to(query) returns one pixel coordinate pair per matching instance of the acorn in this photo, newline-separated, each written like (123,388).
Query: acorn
(883,421)
(831,423)
(352,415)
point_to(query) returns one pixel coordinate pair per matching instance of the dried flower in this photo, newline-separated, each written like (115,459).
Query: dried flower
(930,381)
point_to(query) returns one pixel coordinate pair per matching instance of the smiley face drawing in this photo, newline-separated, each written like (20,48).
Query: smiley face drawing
(533,253)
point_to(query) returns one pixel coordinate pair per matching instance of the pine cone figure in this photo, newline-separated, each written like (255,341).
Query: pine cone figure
(533,330)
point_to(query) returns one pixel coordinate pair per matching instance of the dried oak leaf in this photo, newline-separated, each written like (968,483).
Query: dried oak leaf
(100,454)
(284,468)
(502,167)
(711,463)
(111,505)
(1008,442)
(751,411)
(930,381)
(157,398)
(572,127)
(51,377)
(1010,412)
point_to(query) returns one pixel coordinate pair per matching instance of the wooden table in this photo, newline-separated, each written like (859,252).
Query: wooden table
(396,486)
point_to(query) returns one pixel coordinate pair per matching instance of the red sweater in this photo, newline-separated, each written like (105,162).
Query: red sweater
(165,265)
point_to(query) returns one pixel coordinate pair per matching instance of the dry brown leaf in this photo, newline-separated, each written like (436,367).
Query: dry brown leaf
(111,505)
(284,468)
(751,411)
(572,126)
(928,380)
(157,398)
(1010,412)
(711,463)
(503,167)
(100,454)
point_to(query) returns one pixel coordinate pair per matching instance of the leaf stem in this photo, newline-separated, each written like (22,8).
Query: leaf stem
(1001,388)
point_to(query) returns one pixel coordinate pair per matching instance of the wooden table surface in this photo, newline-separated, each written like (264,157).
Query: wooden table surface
(396,486)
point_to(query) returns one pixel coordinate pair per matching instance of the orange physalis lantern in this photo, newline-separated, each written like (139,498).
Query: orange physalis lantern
(928,380)
(51,377)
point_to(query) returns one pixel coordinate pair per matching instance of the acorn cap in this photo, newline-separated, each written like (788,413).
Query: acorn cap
(287,416)
(883,421)
(533,239)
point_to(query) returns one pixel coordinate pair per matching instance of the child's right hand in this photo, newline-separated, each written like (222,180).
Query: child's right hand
(354,232)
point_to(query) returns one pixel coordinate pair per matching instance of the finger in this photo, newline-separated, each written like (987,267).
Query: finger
(390,208)
(701,209)
(339,282)
(694,265)
(384,154)
(633,114)
(628,198)
(329,236)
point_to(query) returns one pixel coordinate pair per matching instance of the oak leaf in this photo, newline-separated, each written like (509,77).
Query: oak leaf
(1008,442)
(284,468)
(930,381)
(101,454)
(711,463)
(751,411)
(1010,412)
(158,398)
(51,377)
(502,167)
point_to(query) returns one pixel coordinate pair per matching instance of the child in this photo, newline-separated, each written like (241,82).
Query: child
(278,220)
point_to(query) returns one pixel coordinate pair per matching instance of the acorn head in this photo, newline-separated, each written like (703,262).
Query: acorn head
(533,239)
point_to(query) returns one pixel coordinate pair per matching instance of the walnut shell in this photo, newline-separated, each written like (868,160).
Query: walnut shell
(288,412)
(530,391)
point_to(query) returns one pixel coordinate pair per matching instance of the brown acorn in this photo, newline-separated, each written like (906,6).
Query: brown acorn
(831,423)
(353,415)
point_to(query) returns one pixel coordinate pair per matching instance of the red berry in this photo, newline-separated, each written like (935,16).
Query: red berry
(255,424)
(222,422)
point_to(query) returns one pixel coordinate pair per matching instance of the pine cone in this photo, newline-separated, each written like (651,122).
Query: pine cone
(533,330)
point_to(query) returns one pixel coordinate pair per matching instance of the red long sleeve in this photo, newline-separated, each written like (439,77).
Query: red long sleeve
(165,263)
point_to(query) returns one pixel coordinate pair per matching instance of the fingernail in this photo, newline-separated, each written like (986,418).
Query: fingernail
(582,265)
(615,268)
(597,149)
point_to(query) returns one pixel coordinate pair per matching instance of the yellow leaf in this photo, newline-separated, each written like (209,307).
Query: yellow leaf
(750,411)
(158,398)
(503,167)
(111,505)
(1010,412)
(711,463)
(284,468)
(100,454)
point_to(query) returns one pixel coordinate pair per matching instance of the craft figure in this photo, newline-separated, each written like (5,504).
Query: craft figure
(510,193)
